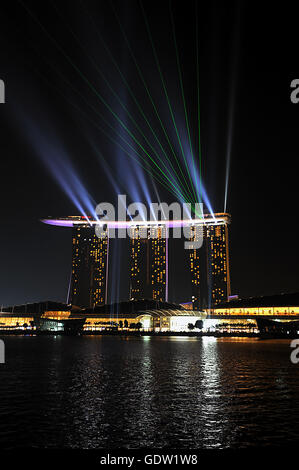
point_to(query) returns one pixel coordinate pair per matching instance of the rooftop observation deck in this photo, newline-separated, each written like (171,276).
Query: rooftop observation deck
(73,221)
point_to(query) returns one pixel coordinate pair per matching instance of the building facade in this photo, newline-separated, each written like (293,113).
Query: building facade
(279,313)
(148,253)
(218,263)
(148,263)
(89,267)
(209,265)
(197,265)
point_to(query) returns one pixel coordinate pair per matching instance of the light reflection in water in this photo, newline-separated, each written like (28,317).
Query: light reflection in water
(99,392)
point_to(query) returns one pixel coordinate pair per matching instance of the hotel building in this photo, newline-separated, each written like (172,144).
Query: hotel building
(89,267)
(218,263)
(148,270)
(148,263)
(209,265)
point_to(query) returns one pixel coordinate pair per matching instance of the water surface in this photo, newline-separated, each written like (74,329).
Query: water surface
(100,392)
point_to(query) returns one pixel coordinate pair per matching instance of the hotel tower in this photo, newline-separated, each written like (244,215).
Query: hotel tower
(89,267)
(148,263)
(209,265)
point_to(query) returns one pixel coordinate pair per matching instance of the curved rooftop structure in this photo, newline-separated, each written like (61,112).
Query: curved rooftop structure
(171,313)
(72,221)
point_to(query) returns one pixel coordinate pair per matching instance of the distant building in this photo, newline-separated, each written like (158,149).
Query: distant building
(187,305)
(148,263)
(147,315)
(283,306)
(89,267)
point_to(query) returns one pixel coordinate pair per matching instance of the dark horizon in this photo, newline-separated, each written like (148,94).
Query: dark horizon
(246,67)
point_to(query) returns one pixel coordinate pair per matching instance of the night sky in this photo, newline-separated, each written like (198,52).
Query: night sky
(55,63)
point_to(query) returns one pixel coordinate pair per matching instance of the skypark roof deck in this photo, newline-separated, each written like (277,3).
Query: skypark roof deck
(72,221)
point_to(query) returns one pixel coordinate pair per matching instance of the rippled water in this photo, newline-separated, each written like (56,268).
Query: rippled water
(100,392)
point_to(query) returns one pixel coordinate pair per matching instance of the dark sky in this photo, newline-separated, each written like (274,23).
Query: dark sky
(56,62)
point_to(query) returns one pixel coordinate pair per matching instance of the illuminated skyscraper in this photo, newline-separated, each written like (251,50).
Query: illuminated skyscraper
(89,267)
(148,263)
(218,263)
(139,263)
(209,264)
(197,264)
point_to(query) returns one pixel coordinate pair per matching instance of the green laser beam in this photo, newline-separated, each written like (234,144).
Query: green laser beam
(151,171)
(198,100)
(149,95)
(166,95)
(95,91)
(119,100)
(178,190)
(177,177)
(182,91)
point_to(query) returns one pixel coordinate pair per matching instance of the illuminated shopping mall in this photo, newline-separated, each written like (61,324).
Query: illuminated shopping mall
(235,316)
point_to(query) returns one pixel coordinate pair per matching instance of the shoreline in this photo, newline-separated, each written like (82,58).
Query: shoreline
(129,333)
(150,333)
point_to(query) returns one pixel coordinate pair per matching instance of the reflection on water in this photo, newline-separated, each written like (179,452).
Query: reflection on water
(101,392)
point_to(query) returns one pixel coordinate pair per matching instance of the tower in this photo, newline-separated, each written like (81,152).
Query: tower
(89,267)
(198,267)
(218,263)
(148,263)
(209,264)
